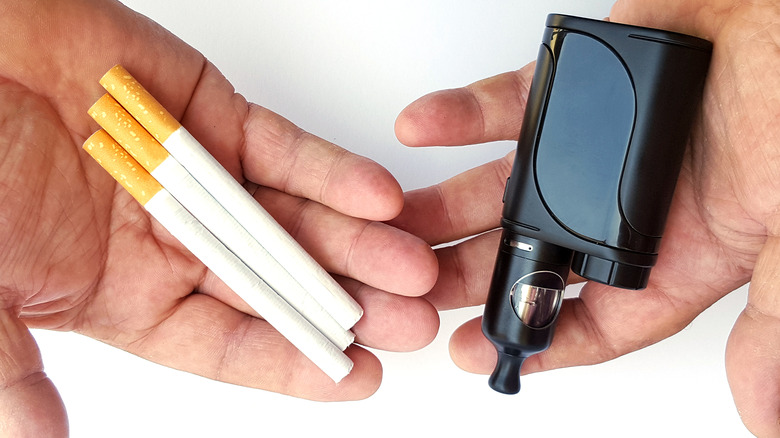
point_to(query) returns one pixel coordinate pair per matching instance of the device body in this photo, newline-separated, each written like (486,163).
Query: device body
(603,136)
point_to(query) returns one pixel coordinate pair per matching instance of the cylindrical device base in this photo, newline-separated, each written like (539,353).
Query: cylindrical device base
(522,307)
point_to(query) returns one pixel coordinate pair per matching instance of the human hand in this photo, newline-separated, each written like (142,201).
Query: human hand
(78,253)
(722,229)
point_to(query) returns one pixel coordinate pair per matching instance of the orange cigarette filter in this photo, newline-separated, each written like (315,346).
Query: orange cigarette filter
(140,103)
(122,167)
(120,125)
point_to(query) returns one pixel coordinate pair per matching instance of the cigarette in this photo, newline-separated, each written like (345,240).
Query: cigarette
(129,134)
(219,259)
(236,200)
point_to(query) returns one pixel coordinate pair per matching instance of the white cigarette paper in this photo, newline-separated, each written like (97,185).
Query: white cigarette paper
(236,200)
(126,131)
(221,261)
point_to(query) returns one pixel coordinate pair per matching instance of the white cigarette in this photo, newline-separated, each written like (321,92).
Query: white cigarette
(223,263)
(236,200)
(126,131)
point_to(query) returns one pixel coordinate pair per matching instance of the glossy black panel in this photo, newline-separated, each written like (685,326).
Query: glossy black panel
(585,138)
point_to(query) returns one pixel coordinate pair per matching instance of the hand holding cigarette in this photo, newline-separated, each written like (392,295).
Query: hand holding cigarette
(225,228)
(78,253)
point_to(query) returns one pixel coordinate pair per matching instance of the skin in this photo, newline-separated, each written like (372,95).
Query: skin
(78,254)
(723,230)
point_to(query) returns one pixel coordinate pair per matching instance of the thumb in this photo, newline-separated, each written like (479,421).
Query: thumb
(754,346)
(30,405)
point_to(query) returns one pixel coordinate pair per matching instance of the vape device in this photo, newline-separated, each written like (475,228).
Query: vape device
(600,149)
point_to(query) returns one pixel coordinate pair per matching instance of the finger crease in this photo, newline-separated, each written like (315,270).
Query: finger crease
(341,154)
(235,339)
(292,156)
(606,350)
(442,200)
(461,276)
(481,108)
(203,69)
(522,88)
(350,252)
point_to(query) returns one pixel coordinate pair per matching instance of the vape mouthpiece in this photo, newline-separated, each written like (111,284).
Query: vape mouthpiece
(506,377)
(525,297)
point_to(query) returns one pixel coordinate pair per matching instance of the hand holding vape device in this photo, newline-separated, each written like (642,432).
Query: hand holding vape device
(603,137)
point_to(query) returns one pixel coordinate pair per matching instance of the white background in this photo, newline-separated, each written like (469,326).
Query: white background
(343,70)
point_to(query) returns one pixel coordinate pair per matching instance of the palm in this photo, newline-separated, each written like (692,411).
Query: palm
(72,234)
(721,227)
(69,234)
(77,253)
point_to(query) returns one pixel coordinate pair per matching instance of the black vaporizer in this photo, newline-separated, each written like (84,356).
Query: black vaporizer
(600,149)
